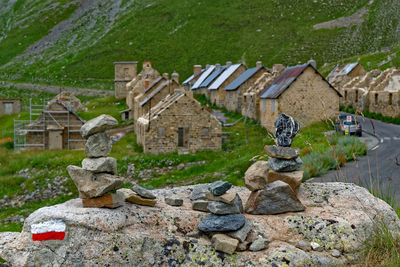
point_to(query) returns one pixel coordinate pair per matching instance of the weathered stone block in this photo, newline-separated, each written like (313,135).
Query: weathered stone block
(219,188)
(224,243)
(106,201)
(227,198)
(222,208)
(98,145)
(294,179)
(222,223)
(285,165)
(97,125)
(281,152)
(98,165)
(255,177)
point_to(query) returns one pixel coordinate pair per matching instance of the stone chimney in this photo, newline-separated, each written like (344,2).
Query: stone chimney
(259,64)
(175,77)
(146,83)
(217,66)
(196,69)
(166,75)
(228,64)
(146,64)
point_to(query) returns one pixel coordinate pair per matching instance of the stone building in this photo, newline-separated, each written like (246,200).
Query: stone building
(216,89)
(341,74)
(203,87)
(251,99)
(153,94)
(125,71)
(179,123)
(58,127)
(301,92)
(10,106)
(235,90)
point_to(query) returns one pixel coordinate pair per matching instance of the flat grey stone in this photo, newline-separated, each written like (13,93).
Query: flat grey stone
(285,165)
(281,152)
(243,232)
(219,188)
(98,145)
(143,192)
(97,125)
(277,197)
(176,202)
(200,205)
(222,208)
(98,165)
(199,192)
(222,223)
(335,253)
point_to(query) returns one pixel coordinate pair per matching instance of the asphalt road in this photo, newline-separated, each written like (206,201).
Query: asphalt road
(381,166)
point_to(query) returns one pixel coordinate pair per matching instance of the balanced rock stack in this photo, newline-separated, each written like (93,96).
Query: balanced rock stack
(96,179)
(226,224)
(274,191)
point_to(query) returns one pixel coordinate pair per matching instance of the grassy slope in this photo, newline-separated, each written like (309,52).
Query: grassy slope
(174,35)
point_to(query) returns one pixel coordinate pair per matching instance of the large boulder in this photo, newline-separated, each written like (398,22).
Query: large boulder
(98,125)
(93,184)
(338,216)
(255,178)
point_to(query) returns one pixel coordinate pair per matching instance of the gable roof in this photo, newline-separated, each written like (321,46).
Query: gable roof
(217,71)
(153,84)
(66,107)
(242,78)
(287,77)
(343,69)
(203,76)
(188,80)
(156,91)
(224,76)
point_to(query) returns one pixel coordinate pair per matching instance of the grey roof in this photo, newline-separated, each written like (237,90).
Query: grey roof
(125,62)
(203,76)
(156,91)
(213,76)
(242,78)
(283,81)
(349,67)
(153,84)
(224,76)
(188,80)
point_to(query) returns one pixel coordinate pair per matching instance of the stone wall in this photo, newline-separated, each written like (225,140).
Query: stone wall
(124,73)
(308,99)
(16,106)
(386,103)
(201,130)
(120,89)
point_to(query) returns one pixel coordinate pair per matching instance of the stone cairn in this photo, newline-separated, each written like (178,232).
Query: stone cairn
(96,180)
(274,191)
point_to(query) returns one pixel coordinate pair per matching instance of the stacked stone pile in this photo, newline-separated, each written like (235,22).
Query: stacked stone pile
(96,179)
(274,191)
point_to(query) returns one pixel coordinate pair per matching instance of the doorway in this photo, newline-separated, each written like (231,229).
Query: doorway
(180,137)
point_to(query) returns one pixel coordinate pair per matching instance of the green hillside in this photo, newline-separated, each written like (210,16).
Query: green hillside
(76,42)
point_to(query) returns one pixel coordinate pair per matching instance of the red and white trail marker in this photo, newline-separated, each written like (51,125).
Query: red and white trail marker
(49,230)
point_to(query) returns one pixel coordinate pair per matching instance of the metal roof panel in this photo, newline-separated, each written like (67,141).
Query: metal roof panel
(222,78)
(213,76)
(242,78)
(203,77)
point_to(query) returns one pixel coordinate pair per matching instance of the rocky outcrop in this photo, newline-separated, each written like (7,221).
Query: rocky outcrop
(338,217)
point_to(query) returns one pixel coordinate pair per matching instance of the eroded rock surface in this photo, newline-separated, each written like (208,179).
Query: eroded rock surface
(339,217)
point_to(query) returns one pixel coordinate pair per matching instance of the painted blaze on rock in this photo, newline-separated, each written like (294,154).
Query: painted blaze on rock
(48,230)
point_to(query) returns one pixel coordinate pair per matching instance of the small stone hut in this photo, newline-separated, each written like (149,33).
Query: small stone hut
(9,106)
(216,89)
(58,127)
(235,90)
(301,92)
(179,123)
(341,74)
(125,71)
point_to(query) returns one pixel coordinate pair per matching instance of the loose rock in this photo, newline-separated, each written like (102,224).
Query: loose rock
(285,165)
(243,246)
(294,179)
(281,152)
(335,253)
(200,205)
(219,188)
(98,145)
(106,201)
(199,192)
(143,192)
(227,198)
(255,177)
(93,185)
(242,233)
(277,197)
(174,201)
(97,125)
(136,199)
(224,243)
(222,223)
(259,244)
(103,164)
(315,246)
(222,208)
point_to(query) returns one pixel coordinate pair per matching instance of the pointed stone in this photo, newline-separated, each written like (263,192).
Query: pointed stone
(294,179)
(281,152)
(98,165)
(143,192)
(219,188)
(92,185)
(97,125)
(255,177)
(224,243)
(106,201)
(227,198)
(222,208)
(277,197)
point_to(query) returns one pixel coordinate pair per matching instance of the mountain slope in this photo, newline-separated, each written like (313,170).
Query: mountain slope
(76,42)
